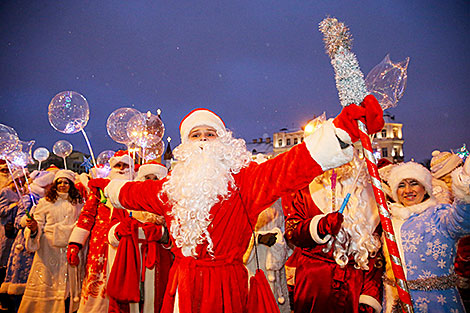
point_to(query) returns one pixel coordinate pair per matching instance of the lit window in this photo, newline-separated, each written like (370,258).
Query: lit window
(395,132)
(280,142)
(384,133)
(288,142)
(295,141)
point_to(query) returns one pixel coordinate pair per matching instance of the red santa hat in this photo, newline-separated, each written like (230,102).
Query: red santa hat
(121,156)
(200,117)
(409,170)
(151,167)
(65,174)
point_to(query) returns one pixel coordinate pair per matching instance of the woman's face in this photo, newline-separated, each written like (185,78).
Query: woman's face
(410,192)
(63,185)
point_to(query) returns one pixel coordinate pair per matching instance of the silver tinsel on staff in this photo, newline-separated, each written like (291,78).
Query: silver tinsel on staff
(349,78)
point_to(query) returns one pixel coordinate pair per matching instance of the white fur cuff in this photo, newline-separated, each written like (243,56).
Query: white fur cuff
(112,239)
(371,301)
(324,147)
(314,230)
(461,185)
(112,192)
(79,235)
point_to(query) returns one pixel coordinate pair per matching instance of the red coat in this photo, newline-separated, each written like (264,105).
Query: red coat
(321,285)
(94,220)
(221,284)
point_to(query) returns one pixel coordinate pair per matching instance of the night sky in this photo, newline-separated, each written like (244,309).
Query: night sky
(259,64)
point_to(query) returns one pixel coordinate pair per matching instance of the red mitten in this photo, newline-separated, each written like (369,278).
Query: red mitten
(72,254)
(98,183)
(330,224)
(347,120)
(123,228)
(374,114)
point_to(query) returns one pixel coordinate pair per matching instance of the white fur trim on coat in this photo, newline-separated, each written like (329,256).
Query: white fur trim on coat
(79,235)
(200,117)
(314,230)
(112,239)
(371,301)
(325,149)
(112,192)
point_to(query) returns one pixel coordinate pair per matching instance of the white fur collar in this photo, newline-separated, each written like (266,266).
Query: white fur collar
(402,212)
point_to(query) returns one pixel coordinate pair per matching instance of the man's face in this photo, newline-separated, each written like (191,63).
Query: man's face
(410,192)
(121,166)
(202,133)
(151,177)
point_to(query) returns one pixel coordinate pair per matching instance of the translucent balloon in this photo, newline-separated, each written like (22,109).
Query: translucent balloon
(21,156)
(117,124)
(68,112)
(152,152)
(62,148)
(145,130)
(8,140)
(387,81)
(314,124)
(41,154)
(103,157)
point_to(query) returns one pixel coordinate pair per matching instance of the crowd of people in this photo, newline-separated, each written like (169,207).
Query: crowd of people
(225,231)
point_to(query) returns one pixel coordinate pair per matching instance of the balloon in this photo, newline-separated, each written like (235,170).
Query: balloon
(387,81)
(21,156)
(103,157)
(68,112)
(62,148)
(145,130)
(117,124)
(314,124)
(8,139)
(41,154)
(152,152)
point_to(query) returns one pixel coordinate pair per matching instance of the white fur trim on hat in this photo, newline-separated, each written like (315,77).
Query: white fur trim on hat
(410,170)
(65,174)
(157,169)
(200,117)
(43,178)
(126,159)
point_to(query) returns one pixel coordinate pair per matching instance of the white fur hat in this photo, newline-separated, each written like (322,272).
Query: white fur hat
(200,117)
(409,170)
(65,174)
(121,156)
(42,178)
(153,167)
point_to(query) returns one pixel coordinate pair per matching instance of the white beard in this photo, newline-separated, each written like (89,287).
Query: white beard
(201,178)
(121,174)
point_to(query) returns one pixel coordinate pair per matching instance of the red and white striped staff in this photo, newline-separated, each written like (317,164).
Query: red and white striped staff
(351,88)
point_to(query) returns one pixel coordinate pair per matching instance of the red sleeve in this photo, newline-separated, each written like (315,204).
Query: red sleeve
(373,280)
(86,220)
(264,183)
(143,196)
(301,211)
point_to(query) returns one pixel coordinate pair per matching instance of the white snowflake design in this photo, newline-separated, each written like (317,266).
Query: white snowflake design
(441,264)
(410,241)
(422,305)
(410,267)
(436,249)
(441,299)
(426,274)
(431,227)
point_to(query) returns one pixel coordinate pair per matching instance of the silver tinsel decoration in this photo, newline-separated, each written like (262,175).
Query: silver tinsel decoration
(349,78)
